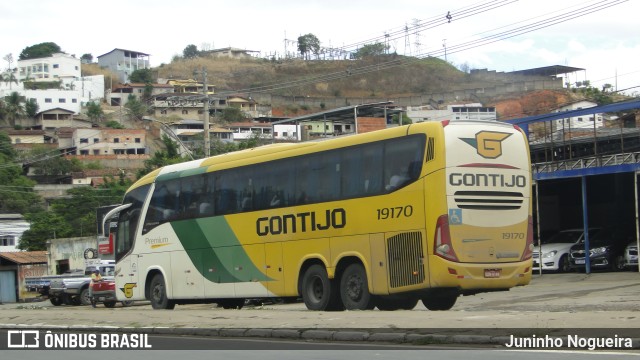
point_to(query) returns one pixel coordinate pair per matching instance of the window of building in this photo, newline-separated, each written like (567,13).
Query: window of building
(185,112)
(137,140)
(62,100)
(76,67)
(46,68)
(75,101)
(163,112)
(7,241)
(140,91)
(96,140)
(47,100)
(84,141)
(116,140)
(55,66)
(96,152)
(84,152)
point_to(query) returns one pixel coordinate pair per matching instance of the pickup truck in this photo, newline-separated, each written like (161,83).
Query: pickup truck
(70,289)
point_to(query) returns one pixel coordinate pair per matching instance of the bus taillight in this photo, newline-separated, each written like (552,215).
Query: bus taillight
(528,249)
(442,240)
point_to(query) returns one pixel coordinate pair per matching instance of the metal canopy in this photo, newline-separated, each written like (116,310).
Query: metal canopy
(346,113)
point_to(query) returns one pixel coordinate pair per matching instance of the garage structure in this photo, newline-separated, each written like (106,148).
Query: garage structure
(587,180)
(15,266)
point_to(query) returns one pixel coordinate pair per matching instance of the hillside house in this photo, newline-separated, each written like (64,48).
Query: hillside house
(124,62)
(102,141)
(119,95)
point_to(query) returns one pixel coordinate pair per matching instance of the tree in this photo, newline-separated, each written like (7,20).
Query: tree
(72,216)
(232,114)
(16,190)
(114,124)
(87,58)
(162,158)
(94,111)
(370,50)
(50,164)
(41,50)
(190,52)
(13,107)
(9,77)
(31,108)
(135,107)
(405,119)
(143,76)
(308,44)
(43,225)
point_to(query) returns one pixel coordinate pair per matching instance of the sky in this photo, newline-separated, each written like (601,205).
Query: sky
(600,36)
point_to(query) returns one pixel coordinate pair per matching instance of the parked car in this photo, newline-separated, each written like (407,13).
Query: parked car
(631,256)
(555,250)
(606,251)
(105,292)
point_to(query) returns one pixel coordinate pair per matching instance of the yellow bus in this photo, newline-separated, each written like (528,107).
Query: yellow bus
(424,212)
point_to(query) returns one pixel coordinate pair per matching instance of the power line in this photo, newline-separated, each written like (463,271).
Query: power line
(547,22)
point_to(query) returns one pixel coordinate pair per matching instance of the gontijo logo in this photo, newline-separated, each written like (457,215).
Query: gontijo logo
(488,144)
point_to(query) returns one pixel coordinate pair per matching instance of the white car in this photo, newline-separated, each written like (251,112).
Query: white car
(631,255)
(555,250)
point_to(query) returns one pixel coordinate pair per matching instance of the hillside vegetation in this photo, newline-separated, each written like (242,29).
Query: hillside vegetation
(407,76)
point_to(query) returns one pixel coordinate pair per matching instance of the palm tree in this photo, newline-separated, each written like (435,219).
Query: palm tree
(13,107)
(8,77)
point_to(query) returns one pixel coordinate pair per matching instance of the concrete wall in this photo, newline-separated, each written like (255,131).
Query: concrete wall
(71,249)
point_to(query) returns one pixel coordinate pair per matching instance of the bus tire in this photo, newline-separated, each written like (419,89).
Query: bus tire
(158,294)
(318,292)
(110,304)
(354,288)
(440,302)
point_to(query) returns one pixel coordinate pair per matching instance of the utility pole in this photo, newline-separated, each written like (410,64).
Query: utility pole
(207,141)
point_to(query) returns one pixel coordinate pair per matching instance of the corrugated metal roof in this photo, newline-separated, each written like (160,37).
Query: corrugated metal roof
(25,257)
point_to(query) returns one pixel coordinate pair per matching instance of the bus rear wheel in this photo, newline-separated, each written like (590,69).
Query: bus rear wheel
(158,294)
(440,302)
(318,292)
(354,288)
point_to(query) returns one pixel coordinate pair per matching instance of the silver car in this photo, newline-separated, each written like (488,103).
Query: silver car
(555,250)
(631,255)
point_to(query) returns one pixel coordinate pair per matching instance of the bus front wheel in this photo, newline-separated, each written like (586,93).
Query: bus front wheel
(158,294)
(318,292)
(354,289)
(440,302)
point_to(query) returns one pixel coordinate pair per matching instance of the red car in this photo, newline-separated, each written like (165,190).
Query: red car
(104,291)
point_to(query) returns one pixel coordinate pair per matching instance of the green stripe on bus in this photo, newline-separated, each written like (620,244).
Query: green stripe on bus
(214,249)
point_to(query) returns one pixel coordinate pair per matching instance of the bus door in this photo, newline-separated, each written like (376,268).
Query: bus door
(274,268)
(127,279)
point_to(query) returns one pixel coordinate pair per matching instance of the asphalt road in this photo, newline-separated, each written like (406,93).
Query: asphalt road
(603,304)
